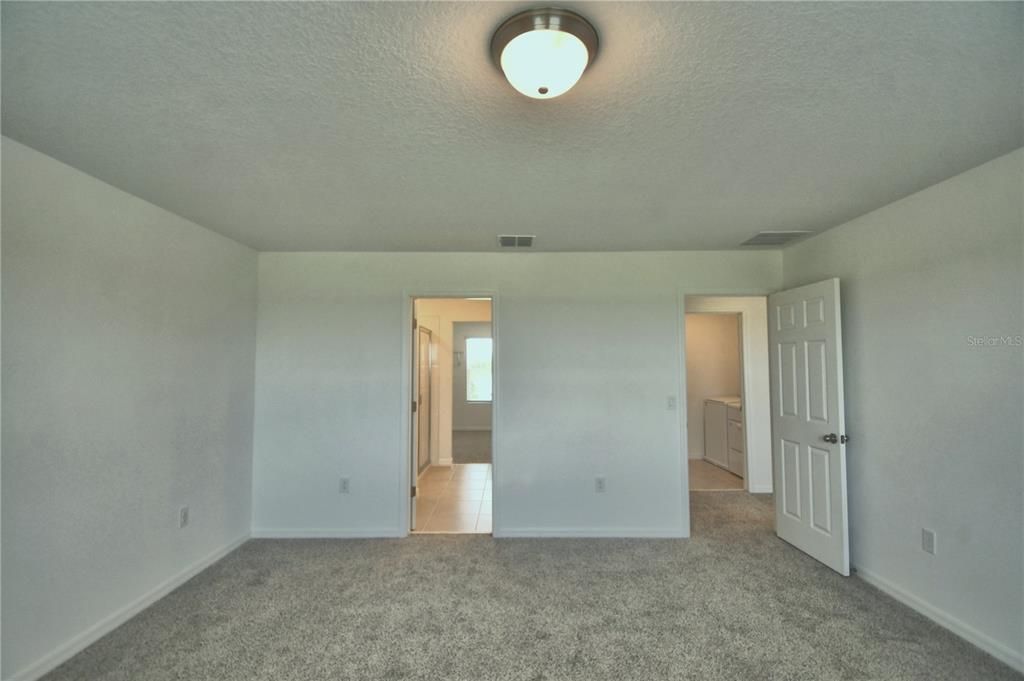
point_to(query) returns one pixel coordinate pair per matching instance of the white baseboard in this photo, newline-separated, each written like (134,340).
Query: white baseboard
(592,533)
(326,533)
(444,462)
(473,429)
(76,644)
(760,489)
(965,631)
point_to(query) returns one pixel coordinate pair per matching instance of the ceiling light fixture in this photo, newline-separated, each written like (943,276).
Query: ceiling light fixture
(543,52)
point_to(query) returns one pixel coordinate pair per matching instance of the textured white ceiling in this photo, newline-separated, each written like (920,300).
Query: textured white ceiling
(384,126)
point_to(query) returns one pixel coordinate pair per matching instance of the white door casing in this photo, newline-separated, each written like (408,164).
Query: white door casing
(424,427)
(806,356)
(414,443)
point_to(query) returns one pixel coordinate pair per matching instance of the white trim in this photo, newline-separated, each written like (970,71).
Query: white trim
(684,446)
(603,533)
(79,642)
(326,533)
(998,650)
(444,462)
(474,428)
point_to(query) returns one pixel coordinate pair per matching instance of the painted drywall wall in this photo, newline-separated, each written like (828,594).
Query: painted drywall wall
(583,396)
(935,415)
(128,338)
(440,315)
(712,368)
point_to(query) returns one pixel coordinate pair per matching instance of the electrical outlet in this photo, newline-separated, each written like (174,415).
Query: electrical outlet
(343,486)
(929,541)
(182,517)
(600,485)
(671,402)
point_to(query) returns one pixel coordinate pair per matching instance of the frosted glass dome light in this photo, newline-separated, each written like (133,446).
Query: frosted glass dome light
(544,52)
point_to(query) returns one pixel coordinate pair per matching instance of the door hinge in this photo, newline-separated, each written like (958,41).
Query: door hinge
(414,406)
(414,324)
(843,439)
(412,491)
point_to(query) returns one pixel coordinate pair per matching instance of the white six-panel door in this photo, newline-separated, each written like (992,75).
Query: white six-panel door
(806,358)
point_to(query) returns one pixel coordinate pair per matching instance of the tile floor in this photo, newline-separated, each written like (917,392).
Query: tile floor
(454,499)
(707,477)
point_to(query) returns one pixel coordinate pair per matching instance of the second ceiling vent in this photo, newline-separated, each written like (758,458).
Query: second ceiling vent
(515,240)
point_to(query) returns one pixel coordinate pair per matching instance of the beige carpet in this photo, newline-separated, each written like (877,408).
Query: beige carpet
(734,603)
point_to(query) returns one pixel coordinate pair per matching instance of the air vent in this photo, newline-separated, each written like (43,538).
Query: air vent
(515,240)
(775,238)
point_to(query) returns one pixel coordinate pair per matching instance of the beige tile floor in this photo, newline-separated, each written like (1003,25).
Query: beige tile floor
(707,477)
(454,499)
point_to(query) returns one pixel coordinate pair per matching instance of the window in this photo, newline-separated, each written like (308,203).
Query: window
(478,370)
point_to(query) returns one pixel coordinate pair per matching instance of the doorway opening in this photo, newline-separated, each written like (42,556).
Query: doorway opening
(789,417)
(452,434)
(714,395)
(728,412)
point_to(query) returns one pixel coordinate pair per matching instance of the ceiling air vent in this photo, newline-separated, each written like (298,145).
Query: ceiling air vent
(775,238)
(515,240)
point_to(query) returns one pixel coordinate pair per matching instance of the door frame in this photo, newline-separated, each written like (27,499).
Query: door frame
(761,432)
(405,481)
(420,331)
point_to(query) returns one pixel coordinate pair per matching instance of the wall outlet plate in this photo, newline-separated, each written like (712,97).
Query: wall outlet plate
(182,517)
(929,542)
(344,485)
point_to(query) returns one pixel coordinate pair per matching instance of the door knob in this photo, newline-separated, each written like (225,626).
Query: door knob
(831,437)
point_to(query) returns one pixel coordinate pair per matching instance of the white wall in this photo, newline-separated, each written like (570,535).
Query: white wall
(440,315)
(712,368)
(936,430)
(588,351)
(128,337)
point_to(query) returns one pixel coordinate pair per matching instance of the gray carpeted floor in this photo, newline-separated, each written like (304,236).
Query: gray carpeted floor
(733,602)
